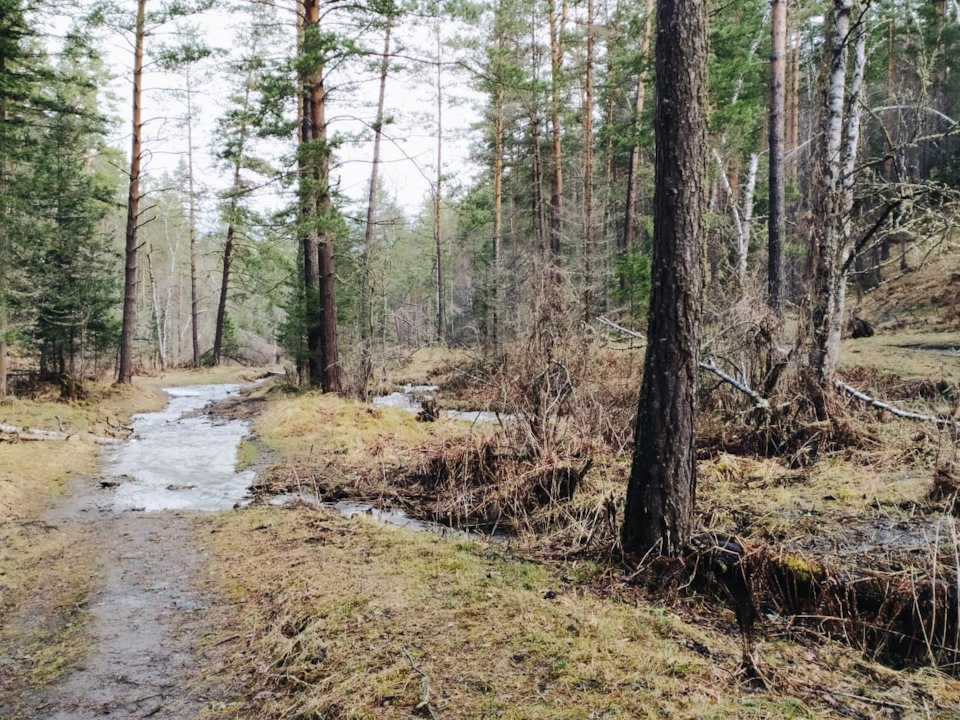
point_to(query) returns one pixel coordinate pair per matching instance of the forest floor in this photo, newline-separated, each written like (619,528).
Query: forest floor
(288,608)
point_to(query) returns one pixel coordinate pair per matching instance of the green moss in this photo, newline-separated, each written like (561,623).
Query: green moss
(248,455)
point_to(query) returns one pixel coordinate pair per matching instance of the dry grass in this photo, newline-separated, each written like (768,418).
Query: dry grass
(48,571)
(924,300)
(332,441)
(891,354)
(345,619)
(46,574)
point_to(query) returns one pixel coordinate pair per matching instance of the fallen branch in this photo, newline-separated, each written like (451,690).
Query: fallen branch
(620,328)
(758,400)
(27,433)
(905,414)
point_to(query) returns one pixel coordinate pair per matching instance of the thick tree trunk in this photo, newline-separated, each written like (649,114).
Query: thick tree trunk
(125,373)
(311,261)
(320,211)
(630,211)
(366,310)
(662,487)
(776,224)
(192,219)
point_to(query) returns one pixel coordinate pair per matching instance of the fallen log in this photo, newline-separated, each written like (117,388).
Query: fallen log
(905,414)
(30,434)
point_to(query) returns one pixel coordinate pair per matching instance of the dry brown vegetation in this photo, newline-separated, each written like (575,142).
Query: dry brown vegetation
(348,619)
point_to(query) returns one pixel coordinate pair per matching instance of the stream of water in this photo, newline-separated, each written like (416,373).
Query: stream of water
(411,397)
(181,458)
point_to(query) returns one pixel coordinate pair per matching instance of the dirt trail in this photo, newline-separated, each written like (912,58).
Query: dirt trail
(146,623)
(150,621)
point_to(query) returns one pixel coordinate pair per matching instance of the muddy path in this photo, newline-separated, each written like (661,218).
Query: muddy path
(150,625)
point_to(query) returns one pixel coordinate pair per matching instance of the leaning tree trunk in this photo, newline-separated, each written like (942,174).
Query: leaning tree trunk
(630,211)
(366,319)
(776,224)
(662,487)
(231,234)
(125,374)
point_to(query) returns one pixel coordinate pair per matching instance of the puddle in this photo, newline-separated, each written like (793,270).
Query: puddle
(882,535)
(411,397)
(179,458)
(387,516)
(949,350)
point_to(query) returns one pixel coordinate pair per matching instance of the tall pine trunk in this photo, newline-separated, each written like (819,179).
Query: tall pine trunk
(438,200)
(776,223)
(662,489)
(192,219)
(366,319)
(630,211)
(4,351)
(498,99)
(320,214)
(125,374)
(556,80)
(588,230)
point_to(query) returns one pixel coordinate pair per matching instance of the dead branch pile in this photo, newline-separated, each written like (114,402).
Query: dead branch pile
(491,484)
(901,618)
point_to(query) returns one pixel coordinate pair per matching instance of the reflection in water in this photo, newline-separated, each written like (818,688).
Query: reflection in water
(174,462)
(410,398)
(387,516)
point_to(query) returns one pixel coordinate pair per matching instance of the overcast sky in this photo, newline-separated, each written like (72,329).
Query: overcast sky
(408,150)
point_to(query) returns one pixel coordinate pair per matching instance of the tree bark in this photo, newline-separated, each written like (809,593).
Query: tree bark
(556,185)
(158,317)
(320,214)
(776,223)
(366,319)
(662,488)
(125,373)
(4,351)
(498,100)
(437,201)
(827,307)
(231,233)
(588,234)
(630,211)
(536,181)
(192,210)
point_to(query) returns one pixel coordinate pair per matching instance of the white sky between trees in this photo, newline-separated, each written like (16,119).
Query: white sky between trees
(408,166)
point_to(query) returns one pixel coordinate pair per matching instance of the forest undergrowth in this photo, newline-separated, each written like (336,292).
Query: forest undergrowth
(816,529)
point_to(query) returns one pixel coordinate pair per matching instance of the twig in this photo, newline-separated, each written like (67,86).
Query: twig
(758,400)
(620,328)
